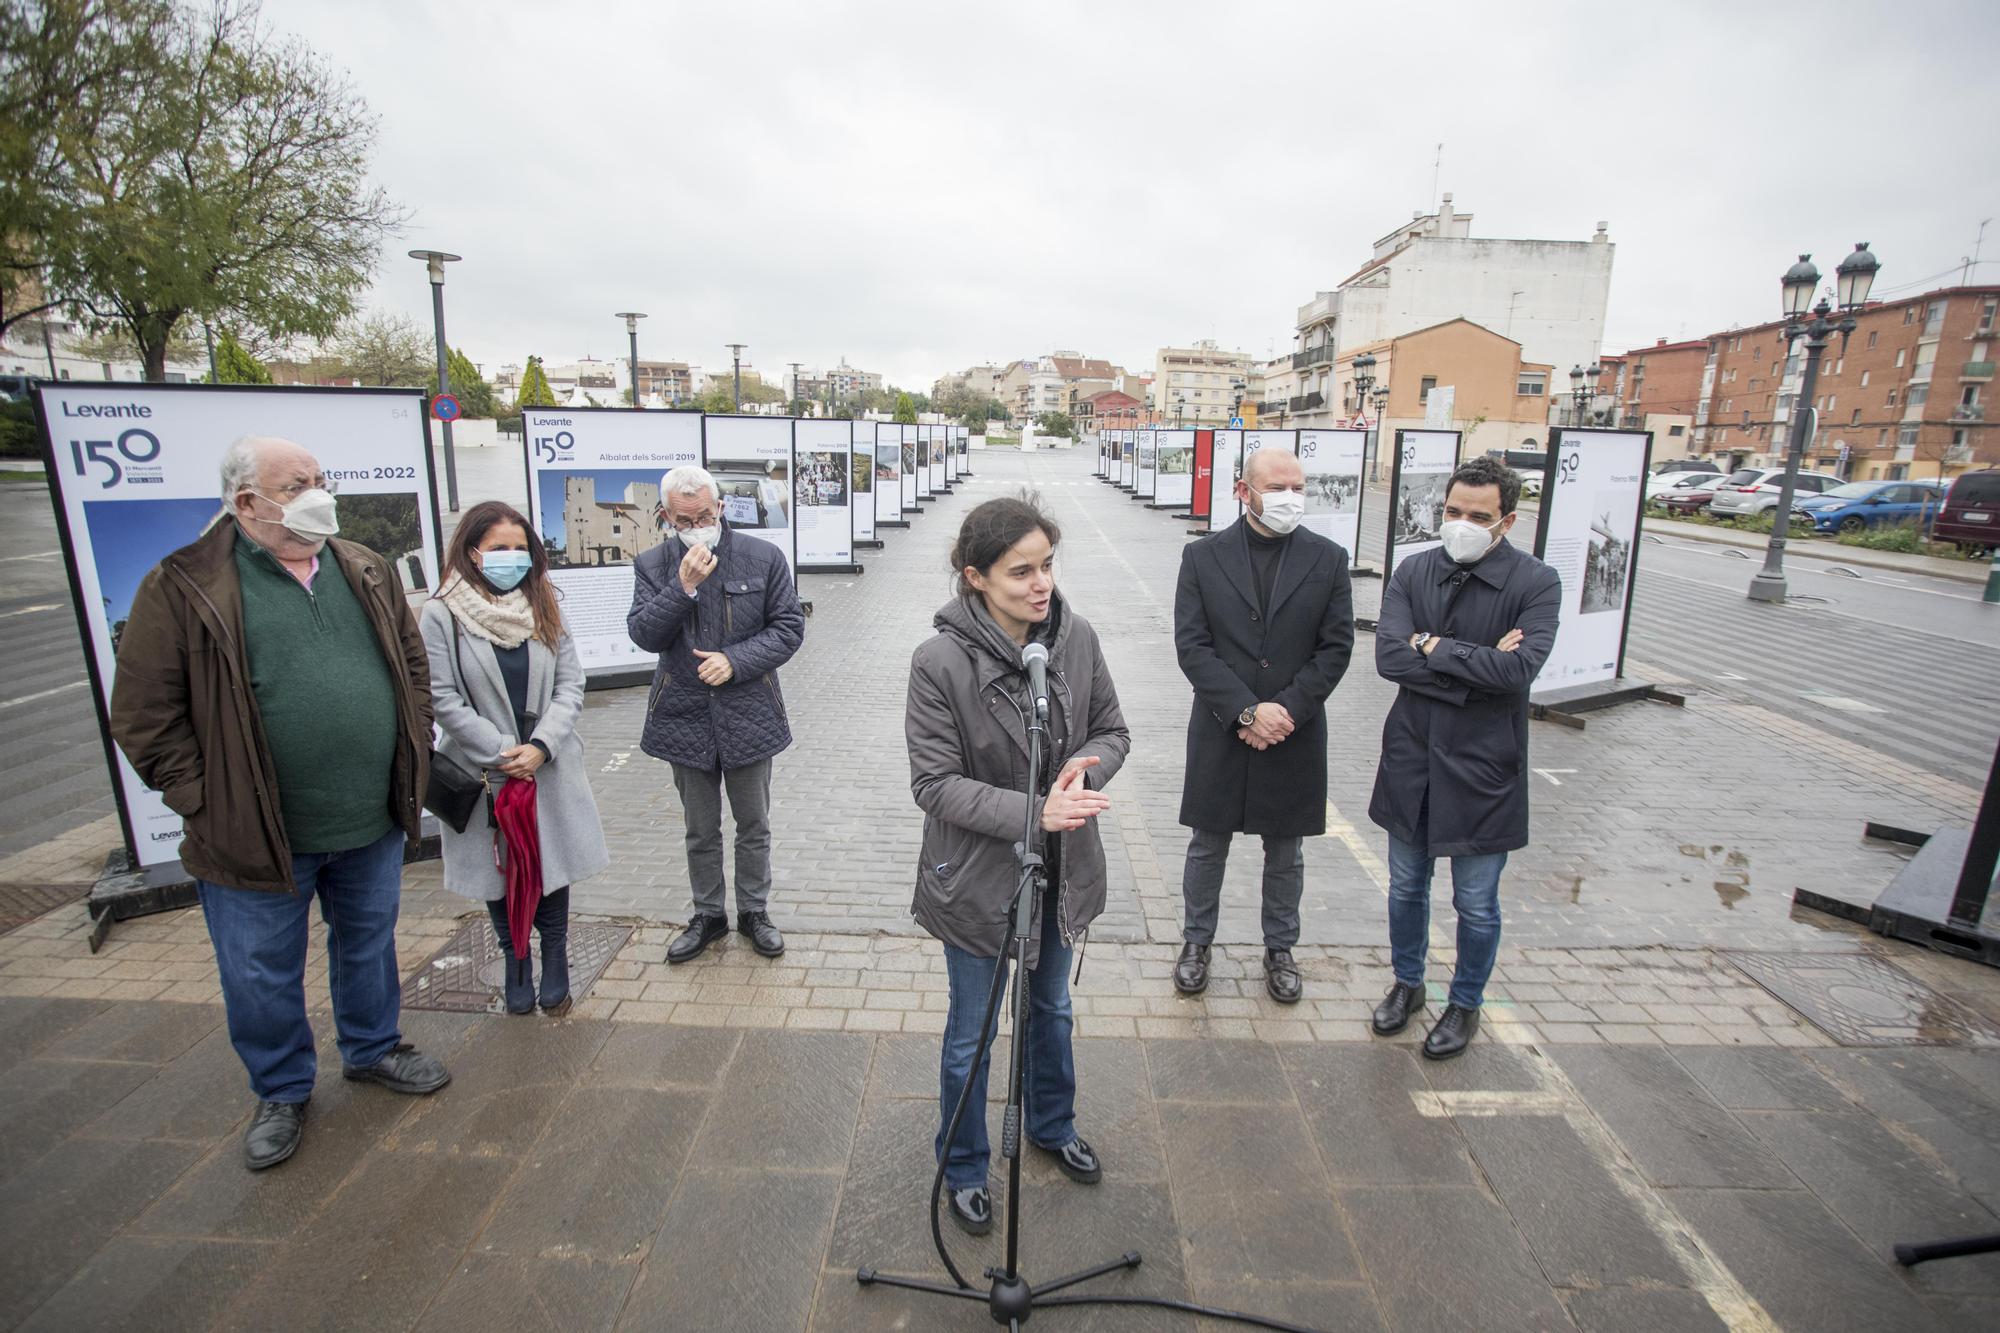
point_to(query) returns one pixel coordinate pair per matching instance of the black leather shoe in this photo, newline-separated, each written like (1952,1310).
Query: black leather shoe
(520,984)
(1191,972)
(1454,1031)
(1077,1160)
(972,1209)
(764,936)
(1281,976)
(405,1069)
(1397,1007)
(274,1133)
(701,932)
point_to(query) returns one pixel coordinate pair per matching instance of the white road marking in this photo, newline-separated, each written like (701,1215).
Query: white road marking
(30,610)
(1550,774)
(1556,1095)
(1343,832)
(42,694)
(32,555)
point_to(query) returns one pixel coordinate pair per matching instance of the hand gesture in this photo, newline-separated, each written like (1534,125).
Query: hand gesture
(1249,738)
(696,565)
(1070,801)
(1510,640)
(714,668)
(1273,724)
(521,761)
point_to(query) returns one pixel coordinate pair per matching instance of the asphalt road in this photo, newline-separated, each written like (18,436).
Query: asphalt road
(1904,664)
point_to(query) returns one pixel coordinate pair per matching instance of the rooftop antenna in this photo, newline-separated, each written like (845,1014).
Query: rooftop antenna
(1972,260)
(1436,167)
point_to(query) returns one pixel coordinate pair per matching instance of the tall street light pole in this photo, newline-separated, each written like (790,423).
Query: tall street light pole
(434,261)
(1364,379)
(632,318)
(1854,276)
(736,371)
(795,383)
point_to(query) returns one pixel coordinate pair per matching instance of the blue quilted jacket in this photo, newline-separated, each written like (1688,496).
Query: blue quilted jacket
(748,609)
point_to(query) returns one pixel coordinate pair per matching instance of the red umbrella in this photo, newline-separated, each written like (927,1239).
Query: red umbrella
(514,808)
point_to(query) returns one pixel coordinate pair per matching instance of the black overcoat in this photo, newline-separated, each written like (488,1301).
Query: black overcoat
(1236,656)
(1457,735)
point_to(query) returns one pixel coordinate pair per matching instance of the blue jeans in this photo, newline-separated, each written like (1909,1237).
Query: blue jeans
(260,950)
(1475,895)
(1049,1081)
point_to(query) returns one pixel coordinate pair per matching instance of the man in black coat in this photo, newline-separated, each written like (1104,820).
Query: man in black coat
(1464,630)
(720,609)
(1264,627)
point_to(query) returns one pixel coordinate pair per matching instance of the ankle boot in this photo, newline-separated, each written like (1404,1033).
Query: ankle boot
(552,923)
(518,985)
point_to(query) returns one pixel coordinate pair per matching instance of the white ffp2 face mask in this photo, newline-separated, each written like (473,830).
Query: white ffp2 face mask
(711,537)
(309,515)
(1282,511)
(1466,541)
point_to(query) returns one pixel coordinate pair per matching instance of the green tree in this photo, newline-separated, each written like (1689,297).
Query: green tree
(716,399)
(385,524)
(227,180)
(906,411)
(995,410)
(535,390)
(384,350)
(1056,423)
(234,365)
(58,57)
(474,394)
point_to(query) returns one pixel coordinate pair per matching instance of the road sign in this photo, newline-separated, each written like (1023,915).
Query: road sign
(1236,423)
(444,407)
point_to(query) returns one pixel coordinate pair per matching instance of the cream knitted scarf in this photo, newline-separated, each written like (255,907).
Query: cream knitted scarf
(507,620)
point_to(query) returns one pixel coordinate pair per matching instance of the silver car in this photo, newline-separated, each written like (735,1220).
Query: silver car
(1750,491)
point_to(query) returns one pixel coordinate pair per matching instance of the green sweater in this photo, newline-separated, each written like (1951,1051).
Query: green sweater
(326,698)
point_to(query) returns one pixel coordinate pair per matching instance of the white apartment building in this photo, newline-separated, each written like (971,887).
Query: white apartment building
(52,348)
(1198,383)
(1548,296)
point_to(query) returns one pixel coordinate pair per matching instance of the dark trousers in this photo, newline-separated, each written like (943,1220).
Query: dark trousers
(551,921)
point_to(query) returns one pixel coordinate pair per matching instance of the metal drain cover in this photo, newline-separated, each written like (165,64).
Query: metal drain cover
(1860,1000)
(465,976)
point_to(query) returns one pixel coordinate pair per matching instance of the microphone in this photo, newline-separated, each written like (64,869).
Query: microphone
(1035,660)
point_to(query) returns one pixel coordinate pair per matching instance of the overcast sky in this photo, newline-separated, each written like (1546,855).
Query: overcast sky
(923,186)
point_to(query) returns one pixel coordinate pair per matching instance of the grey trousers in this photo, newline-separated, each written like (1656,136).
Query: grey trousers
(1284,885)
(750,806)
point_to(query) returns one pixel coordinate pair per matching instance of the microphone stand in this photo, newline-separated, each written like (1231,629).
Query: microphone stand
(1012,1299)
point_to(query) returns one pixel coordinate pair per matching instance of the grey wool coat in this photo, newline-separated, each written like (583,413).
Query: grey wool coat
(967,730)
(473,712)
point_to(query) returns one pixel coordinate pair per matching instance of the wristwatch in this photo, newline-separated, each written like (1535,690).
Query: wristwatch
(1421,639)
(1248,717)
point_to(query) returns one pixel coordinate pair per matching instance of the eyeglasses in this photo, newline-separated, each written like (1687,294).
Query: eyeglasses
(685,524)
(284,494)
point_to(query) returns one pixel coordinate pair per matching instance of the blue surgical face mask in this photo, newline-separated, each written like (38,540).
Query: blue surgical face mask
(505,569)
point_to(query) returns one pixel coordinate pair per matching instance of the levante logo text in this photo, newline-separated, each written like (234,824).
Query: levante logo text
(139,410)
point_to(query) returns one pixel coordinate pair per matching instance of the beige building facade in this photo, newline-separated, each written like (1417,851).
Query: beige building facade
(597,532)
(1196,384)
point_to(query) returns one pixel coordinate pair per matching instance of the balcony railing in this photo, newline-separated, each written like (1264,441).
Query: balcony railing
(1969,412)
(1320,307)
(1976,370)
(1308,402)
(1312,356)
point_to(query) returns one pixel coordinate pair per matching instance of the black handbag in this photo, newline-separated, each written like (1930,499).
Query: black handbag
(452,793)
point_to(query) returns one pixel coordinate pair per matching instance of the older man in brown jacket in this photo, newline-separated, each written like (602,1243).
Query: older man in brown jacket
(281,705)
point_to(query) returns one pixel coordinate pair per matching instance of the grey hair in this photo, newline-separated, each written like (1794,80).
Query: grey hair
(239,464)
(689,480)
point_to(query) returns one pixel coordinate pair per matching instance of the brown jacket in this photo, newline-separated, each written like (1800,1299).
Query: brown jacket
(183,711)
(966,729)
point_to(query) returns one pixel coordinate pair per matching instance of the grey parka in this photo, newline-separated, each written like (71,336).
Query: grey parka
(966,728)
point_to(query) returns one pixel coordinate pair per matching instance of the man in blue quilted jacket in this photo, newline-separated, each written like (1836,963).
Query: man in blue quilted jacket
(720,610)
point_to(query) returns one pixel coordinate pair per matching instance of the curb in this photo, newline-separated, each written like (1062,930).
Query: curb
(1858,556)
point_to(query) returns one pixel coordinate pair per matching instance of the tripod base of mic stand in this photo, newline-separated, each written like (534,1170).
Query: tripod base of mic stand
(1010,1300)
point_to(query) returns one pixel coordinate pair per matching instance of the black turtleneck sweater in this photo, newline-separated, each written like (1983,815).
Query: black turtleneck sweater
(1265,555)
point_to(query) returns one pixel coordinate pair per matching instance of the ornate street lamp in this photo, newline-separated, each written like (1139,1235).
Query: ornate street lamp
(1582,388)
(632,318)
(1853,277)
(434,262)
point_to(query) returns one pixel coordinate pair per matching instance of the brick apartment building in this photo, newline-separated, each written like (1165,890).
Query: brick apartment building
(1909,395)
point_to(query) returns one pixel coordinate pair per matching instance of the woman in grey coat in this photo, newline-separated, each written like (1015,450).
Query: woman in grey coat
(966,728)
(507,688)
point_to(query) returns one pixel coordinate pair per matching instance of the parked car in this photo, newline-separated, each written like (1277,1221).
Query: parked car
(1859,505)
(1971,514)
(1531,485)
(1661,483)
(1669,466)
(1750,491)
(1688,500)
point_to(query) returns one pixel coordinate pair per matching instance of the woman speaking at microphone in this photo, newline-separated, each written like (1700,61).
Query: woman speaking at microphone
(967,730)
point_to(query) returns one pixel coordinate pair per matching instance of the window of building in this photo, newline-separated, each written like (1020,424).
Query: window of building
(1892,397)
(1882,438)
(1424,387)
(1919,395)
(1969,396)
(1934,317)
(1906,437)
(1532,383)
(1676,430)
(1978,352)
(1746,418)
(1901,354)
(1898,471)
(1871,340)
(1838,362)
(1958,439)
(1854,417)
(1909,314)
(1986,313)
(1864,379)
